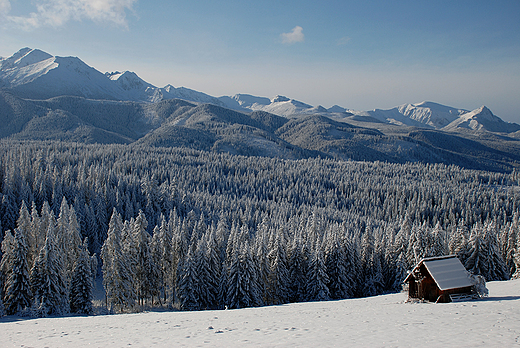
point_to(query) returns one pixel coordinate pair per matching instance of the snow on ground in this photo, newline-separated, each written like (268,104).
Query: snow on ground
(381,321)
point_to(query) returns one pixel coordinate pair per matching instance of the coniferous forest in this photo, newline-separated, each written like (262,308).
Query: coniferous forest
(180,228)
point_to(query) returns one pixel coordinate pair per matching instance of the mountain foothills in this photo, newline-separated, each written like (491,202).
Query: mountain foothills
(44,97)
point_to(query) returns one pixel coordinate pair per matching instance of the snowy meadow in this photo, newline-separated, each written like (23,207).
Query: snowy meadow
(380,321)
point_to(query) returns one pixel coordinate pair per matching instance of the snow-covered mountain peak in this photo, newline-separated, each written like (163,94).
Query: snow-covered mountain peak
(433,106)
(482,119)
(168,88)
(279,105)
(485,113)
(482,113)
(279,99)
(25,66)
(337,109)
(114,75)
(247,100)
(430,113)
(24,57)
(129,80)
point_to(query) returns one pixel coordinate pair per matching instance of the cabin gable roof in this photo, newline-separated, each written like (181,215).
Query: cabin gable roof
(447,272)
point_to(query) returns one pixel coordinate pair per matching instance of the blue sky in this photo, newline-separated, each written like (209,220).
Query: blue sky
(360,55)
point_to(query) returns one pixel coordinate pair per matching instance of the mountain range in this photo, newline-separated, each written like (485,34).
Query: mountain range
(45,97)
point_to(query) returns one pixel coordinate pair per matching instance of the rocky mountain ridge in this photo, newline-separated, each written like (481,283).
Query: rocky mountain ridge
(43,97)
(32,73)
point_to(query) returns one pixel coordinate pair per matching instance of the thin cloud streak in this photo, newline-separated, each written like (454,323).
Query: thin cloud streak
(343,41)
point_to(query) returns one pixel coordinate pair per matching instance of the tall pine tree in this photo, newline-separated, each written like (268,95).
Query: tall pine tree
(47,279)
(82,283)
(17,287)
(118,277)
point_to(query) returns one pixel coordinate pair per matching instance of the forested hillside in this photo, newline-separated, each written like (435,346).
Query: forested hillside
(208,127)
(194,229)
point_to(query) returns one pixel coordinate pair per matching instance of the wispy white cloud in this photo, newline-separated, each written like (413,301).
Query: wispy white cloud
(57,13)
(343,41)
(5,7)
(294,36)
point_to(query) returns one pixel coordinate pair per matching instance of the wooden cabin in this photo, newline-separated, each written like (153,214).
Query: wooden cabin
(439,279)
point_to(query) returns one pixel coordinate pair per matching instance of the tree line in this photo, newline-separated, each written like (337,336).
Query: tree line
(197,230)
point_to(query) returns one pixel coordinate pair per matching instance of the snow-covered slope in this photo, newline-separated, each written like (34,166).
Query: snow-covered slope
(482,119)
(425,115)
(135,87)
(244,102)
(436,116)
(170,92)
(381,321)
(279,105)
(34,74)
(431,114)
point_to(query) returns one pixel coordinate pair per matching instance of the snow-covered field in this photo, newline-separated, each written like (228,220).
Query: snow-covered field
(381,321)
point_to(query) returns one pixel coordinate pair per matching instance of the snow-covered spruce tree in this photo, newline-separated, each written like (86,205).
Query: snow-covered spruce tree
(162,254)
(68,238)
(188,282)
(47,218)
(298,268)
(511,236)
(17,287)
(458,241)
(260,250)
(205,297)
(438,245)
(317,278)
(370,264)
(100,209)
(6,263)
(37,235)
(146,272)
(82,284)
(48,281)
(516,260)
(476,260)
(401,270)
(243,289)
(91,231)
(213,273)
(179,251)
(278,275)
(118,277)
(25,226)
(8,208)
(399,248)
(495,262)
(351,254)
(374,282)
(417,244)
(222,235)
(335,262)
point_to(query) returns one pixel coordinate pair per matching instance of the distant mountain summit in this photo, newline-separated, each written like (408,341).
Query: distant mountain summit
(31,73)
(431,114)
(482,119)
(279,105)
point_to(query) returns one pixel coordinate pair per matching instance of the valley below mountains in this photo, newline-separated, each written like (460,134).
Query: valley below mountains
(43,97)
